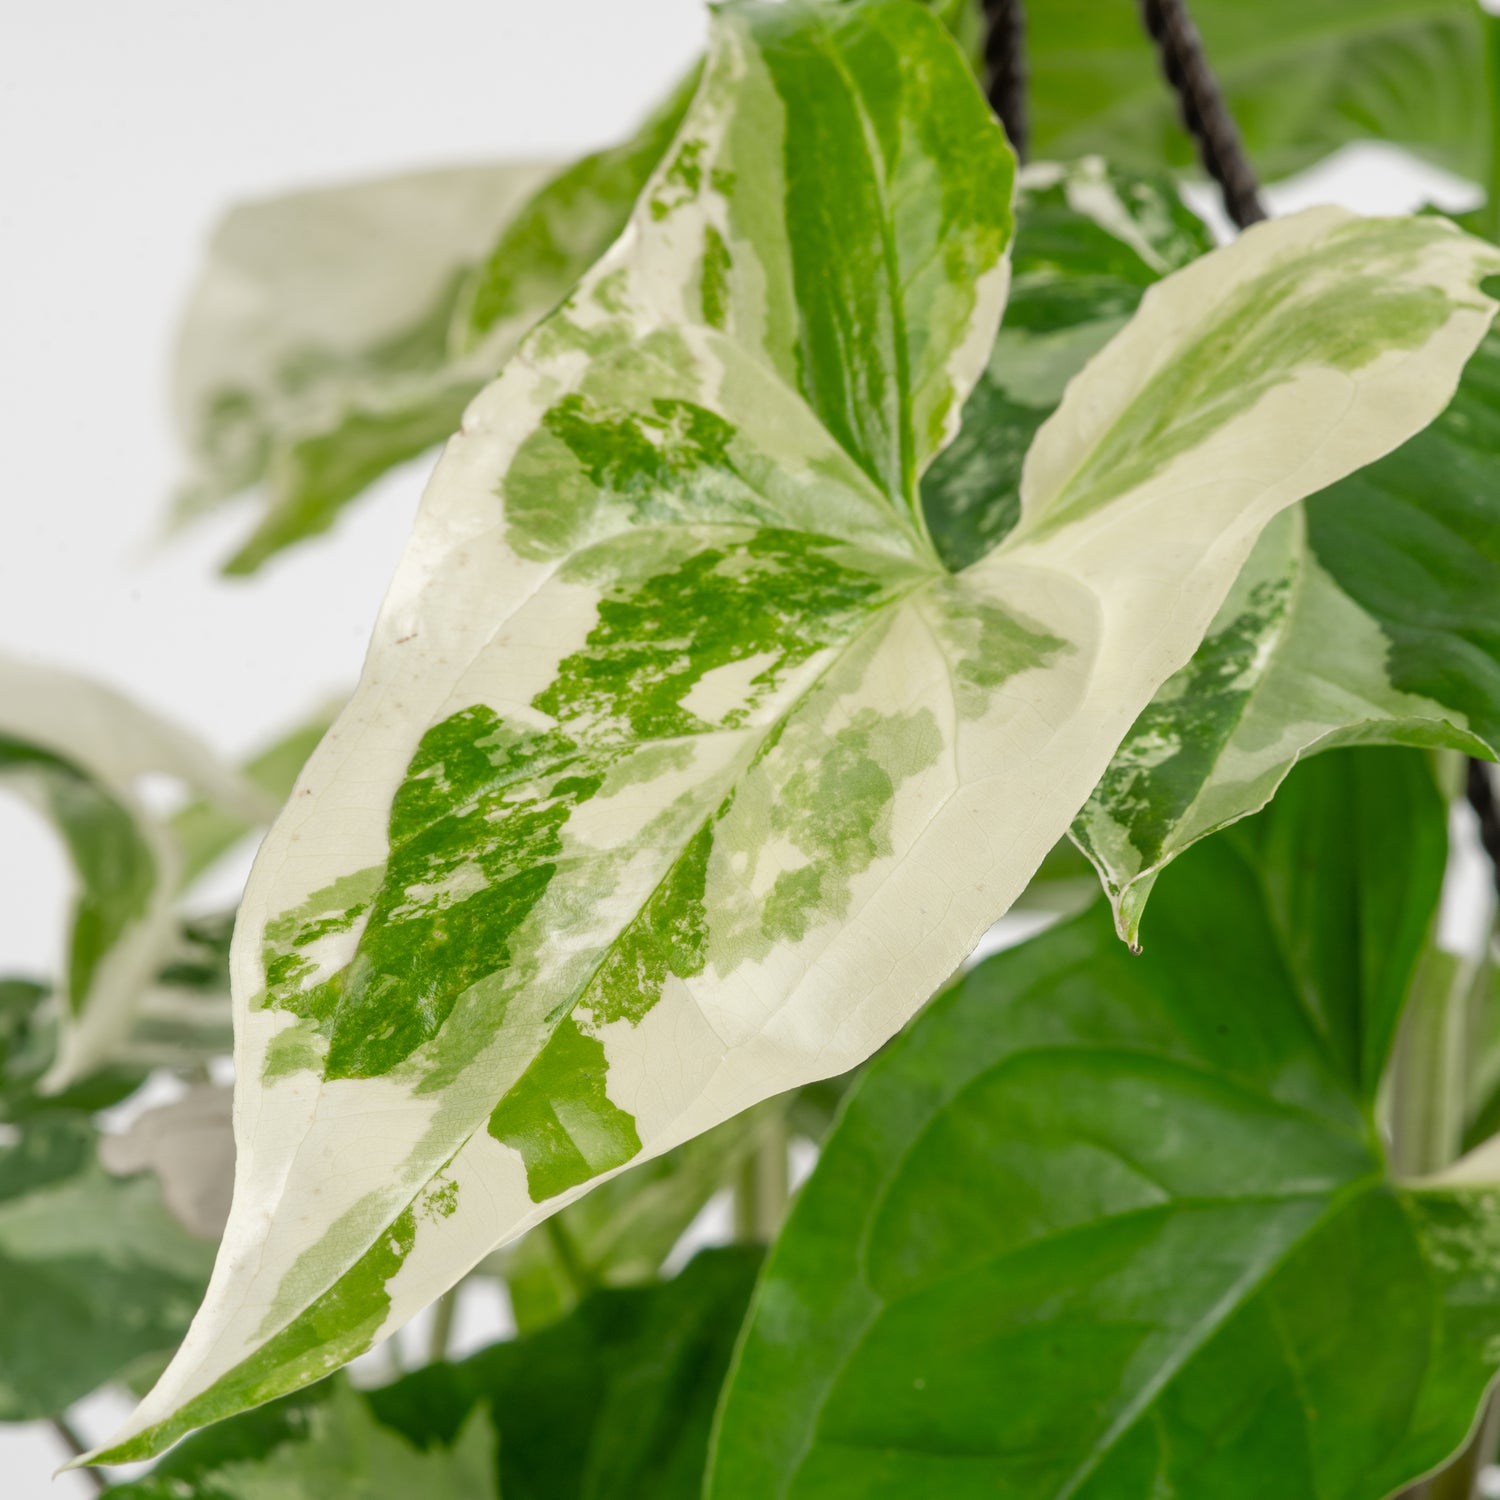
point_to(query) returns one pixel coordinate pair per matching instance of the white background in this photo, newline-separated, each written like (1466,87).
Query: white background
(126,127)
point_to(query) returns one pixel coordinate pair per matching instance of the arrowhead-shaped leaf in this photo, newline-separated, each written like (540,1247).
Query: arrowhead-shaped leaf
(1370,614)
(682,771)
(1113,1228)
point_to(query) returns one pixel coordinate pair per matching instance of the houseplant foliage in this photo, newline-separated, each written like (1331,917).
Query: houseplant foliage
(850,522)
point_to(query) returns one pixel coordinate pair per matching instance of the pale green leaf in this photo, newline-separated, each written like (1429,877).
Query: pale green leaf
(1301,77)
(78,751)
(1118,1228)
(189,1146)
(314,354)
(682,771)
(95,1272)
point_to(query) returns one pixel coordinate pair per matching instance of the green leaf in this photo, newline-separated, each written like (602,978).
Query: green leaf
(1481,1104)
(1090,238)
(682,770)
(30,1015)
(1351,858)
(77,750)
(622,1232)
(1186,1268)
(1370,616)
(96,1273)
(613,1403)
(1301,77)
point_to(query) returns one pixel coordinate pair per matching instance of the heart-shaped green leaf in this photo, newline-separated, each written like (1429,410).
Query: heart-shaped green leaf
(1104,1226)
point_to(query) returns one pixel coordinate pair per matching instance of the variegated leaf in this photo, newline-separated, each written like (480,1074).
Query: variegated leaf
(315,353)
(1090,238)
(1371,614)
(682,771)
(77,750)
(1106,1228)
(96,1273)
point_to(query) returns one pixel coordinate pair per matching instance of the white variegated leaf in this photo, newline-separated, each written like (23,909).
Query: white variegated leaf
(682,772)
(1371,614)
(78,751)
(314,354)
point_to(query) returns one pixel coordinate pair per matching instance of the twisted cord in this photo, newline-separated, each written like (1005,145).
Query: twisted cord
(1005,66)
(1486,805)
(1202,107)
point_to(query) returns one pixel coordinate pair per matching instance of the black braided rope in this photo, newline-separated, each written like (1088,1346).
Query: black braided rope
(1486,805)
(1202,107)
(1005,66)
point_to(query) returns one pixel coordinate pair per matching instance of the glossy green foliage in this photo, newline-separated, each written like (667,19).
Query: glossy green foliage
(613,1403)
(95,1273)
(1115,1227)
(1090,238)
(1302,78)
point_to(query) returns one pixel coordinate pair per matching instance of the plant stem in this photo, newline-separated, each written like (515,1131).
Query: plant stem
(443,1312)
(1490,213)
(1005,59)
(761,1194)
(569,1261)
(1427,1076)
(1482,798)
(1201,104)
(73,1441)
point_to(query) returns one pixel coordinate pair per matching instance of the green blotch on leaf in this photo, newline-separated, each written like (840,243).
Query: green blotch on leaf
(1172,748)
(776,595)
(714,287)
(836,808)
(560,1119)
(667,936)
(475,831)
